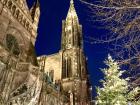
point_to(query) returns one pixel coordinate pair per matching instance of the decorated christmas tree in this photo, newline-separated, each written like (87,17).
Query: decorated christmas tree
(115,90)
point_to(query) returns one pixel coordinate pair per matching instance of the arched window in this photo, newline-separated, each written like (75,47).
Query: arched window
(51,75)
(17,13)
(79,40)
(20,18)
(64,69)
(12,44)
(24,22)
(13,9)
(5,1)
(67,70)
(27,25)
(10,4)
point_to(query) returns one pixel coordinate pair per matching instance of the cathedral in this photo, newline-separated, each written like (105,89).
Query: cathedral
(25,79)
(18,63)
(68,66)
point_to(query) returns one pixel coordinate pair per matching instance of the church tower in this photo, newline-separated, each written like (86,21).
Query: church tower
(74,70)
(68,67)
(72,46)
(72,30)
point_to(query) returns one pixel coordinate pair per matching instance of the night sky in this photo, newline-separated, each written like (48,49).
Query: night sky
(50,28)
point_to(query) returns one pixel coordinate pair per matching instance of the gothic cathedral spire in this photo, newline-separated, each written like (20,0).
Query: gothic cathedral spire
(72,15)
(71,2)
(72,30)
(69,65)
(74,69)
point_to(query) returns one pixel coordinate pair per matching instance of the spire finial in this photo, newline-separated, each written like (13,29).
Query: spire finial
(38,2)
(71,1)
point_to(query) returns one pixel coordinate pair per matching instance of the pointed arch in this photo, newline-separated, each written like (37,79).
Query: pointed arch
(69,68)
(10,4)
(51,75)
(13,9)
(12,44)
(66,69)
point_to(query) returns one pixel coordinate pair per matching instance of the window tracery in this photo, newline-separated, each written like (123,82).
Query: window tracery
(17,13)
(13,9)
(67,70)
(24,22)
(12,44)
(10,4)
(5,1)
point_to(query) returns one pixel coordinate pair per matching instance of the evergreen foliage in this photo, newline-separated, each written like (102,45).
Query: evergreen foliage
(115,90)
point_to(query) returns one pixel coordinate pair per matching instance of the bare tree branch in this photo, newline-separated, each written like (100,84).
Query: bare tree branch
(122,19)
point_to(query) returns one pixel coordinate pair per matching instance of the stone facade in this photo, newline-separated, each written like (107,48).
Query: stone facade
(18,63)
(56,79)
(68,66)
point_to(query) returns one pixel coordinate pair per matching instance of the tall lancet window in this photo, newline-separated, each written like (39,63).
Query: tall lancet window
(79,40)
(67,70)
(68,31)
(51,75)
(64,69)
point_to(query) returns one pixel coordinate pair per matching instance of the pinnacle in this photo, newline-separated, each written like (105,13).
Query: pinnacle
(37,2)
(71,1)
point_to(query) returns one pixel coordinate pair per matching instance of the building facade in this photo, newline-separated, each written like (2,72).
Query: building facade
(68,66)
(56,79)
(18,63)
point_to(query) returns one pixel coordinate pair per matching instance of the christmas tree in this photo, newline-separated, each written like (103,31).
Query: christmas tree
(115,89)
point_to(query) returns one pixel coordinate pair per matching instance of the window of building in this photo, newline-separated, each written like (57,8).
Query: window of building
(67,70)
(51,75)
(64,69)
(17,13)
(27,25)
(12,44)
(13,9)
(10,4)
(24,22)
(20,17)
(5,1)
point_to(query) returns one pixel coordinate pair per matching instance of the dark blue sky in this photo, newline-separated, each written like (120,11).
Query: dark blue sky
(50,28)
